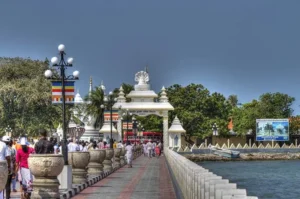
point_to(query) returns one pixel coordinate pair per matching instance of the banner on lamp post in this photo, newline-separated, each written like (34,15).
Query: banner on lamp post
(57,92)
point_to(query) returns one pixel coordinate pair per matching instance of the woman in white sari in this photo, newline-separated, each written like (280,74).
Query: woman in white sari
(129,156)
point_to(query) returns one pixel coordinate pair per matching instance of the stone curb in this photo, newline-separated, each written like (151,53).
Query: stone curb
(80,187)
(77,188)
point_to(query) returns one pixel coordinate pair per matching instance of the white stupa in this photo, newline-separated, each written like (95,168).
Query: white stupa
(78,99)
(175,132)
(106,131)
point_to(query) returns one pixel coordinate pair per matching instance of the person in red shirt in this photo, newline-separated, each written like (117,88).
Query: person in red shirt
(22,164)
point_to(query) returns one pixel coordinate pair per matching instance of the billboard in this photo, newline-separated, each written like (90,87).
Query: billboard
(272,129)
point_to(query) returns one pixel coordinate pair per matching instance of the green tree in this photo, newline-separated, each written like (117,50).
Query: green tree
(25,96)
(233,100)
(269,105)
(198,110)
(93,106)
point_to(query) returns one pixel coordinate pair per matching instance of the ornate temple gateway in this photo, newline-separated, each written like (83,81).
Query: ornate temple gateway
(143,102)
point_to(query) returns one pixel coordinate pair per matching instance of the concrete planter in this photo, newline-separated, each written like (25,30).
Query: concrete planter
(122,156)
(79,162)
(107,163)
(95,167)
(3,174)
(45,168)
(117,157)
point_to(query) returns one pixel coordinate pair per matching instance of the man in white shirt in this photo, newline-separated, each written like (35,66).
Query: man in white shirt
(149,148)
(5,154)
(72,146)
(120,145)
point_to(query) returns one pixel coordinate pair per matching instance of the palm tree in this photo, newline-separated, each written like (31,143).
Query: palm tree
(233,100)
(93,106)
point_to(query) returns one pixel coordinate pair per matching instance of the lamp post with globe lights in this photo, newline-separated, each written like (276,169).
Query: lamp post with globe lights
(215,129)
(109,102)
(127,114)
(61,64)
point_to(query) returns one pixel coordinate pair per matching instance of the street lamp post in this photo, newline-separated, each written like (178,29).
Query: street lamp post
(134,128)
(109,103)
(215,129)
(127,114)
(8,131)
(62,65)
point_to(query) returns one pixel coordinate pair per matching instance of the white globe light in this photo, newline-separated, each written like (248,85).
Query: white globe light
(110,93)
(70,60)
(61,48)
(76,73)
(54,60)
(48,73)
(102,106)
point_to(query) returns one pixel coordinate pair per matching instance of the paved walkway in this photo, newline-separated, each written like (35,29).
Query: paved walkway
(148,179)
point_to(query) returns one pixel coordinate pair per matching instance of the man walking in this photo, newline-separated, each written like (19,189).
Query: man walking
(44,146)
(5,154)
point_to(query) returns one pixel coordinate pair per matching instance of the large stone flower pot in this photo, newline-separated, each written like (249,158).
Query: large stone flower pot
(45,168)
(107,163)
(117,158)
(79,161)
(95,167)
(122,156)
(3,174)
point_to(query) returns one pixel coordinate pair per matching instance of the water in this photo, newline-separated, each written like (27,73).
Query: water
(264,179)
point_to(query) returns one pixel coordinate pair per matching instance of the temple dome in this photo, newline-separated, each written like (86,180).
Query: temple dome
(78,99)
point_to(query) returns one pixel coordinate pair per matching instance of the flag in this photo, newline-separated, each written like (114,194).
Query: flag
(57,92)
(115,115)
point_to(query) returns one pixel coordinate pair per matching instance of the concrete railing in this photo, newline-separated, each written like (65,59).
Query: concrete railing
(196,182)
(245,147)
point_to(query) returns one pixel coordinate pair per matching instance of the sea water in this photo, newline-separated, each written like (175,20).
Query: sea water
(264,179)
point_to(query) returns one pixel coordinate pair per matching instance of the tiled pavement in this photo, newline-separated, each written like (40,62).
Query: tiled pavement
(148,179)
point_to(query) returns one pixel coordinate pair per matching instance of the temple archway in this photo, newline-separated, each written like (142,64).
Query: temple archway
(143,102)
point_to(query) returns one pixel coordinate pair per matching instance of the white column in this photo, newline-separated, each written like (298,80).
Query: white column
(119,127)
(166,128)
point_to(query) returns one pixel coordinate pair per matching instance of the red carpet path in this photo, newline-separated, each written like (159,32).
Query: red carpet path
(148,179)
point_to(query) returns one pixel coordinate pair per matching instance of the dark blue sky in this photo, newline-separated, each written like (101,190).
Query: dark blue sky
(234,47)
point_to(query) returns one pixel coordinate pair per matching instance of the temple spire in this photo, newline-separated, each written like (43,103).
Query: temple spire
(146,68)
(102,87)
(91,85)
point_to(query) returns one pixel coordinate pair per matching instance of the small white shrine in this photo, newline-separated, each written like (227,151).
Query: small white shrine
(143,102)
(175,132)
(106,131)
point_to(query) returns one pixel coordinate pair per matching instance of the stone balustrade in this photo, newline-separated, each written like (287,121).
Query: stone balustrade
(269,147)
(87,169)
(196,182)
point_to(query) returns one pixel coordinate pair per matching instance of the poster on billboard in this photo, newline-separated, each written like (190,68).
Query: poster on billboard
(272,129)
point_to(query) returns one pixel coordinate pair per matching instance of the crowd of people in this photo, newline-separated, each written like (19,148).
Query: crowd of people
(16,153)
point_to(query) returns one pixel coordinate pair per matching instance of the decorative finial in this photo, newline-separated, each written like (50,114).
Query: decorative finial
(163,95)
(146,69)
(121,97)
(142,77)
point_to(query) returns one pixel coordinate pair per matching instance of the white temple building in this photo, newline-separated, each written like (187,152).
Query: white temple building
(143,102)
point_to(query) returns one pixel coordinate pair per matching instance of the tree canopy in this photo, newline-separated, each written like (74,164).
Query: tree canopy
(25,96)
